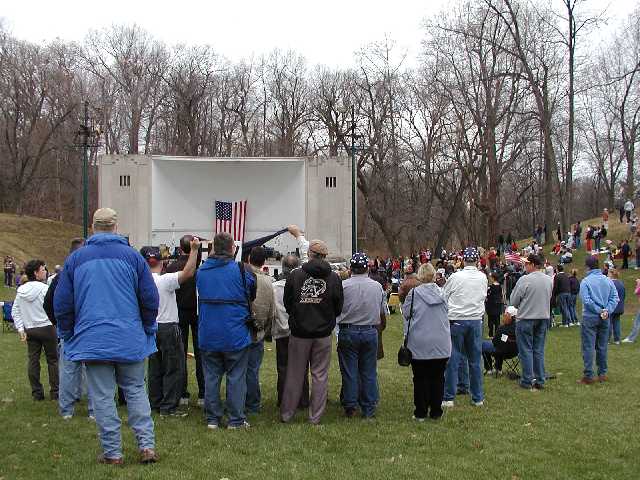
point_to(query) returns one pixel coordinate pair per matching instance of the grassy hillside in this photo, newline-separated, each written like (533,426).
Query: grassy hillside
(25,238)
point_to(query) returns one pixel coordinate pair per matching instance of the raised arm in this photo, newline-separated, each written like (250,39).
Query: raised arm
(189,269)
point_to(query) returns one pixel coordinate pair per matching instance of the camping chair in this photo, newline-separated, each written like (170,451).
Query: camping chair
(7,319)
(512,364)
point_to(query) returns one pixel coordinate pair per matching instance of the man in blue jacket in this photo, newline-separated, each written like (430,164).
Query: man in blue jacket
(599,300)
(106,305)
(225,289)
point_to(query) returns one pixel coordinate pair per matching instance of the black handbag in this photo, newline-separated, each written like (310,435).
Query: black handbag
(251,322)
(404,354)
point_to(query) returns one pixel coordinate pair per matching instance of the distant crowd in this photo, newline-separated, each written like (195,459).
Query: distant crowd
(115,323)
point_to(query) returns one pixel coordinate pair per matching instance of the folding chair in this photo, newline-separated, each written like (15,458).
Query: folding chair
(513,366)
(7,319)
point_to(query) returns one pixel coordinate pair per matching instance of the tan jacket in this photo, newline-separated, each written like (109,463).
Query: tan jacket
(263,307)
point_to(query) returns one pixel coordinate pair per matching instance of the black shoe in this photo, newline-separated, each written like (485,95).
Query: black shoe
(538,386)
(38,398)
(350,412)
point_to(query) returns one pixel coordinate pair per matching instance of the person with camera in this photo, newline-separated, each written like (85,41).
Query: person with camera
(426,327)
(599,300)
(106,305)
(167,365)
(313,298)
(187,301)
(226,289)
(363,311)
(532,298)
(263,309)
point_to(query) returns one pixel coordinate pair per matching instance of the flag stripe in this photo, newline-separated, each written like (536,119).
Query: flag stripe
(231,218)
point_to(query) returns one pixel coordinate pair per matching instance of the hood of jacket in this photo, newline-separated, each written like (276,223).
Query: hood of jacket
(430,293)
(30,291)
(317,268)
(216,262)
(104,238)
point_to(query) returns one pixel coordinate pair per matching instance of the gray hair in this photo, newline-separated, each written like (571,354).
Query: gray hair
(223,244)
(289,262)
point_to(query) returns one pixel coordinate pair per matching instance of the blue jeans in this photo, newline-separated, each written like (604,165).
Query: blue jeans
(615,327)
(574,314)
(577,241)
(530,337)
(72,383)
(463,374)
(357,356)
(466,339)
(234,365)
(595,337)
(102,379)
(635,330)
(564,302)
(254,396)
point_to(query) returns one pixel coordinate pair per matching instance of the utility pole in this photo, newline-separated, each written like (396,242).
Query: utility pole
(354,204)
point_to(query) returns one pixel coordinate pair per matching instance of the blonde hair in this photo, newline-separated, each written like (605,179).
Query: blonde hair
(426,273)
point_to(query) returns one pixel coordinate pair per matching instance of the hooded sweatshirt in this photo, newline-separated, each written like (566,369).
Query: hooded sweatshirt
(28,310)
(313,299)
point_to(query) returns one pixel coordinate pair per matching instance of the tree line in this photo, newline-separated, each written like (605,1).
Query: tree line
(512,116)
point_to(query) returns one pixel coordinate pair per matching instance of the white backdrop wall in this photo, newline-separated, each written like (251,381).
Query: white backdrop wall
(183,196)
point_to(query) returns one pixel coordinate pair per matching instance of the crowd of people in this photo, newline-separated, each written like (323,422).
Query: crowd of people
(113,318)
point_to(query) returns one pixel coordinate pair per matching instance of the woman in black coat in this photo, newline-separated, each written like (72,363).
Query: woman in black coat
(493,303)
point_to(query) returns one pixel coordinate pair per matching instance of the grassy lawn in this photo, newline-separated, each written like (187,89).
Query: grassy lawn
(566,431)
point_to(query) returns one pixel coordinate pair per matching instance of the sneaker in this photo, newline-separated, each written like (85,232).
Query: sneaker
(577,324)
(418,419)
(67,417)
(626,340)
(447,404)
(201,402)
(617,343)
(478,404)
(175,413)
(242,426)
(148,455)
(602,378)
(109,461)
(350,412)
(184,401)
(586,381)
(91,418)
(538,386)
(490,372)
(213,426)
(565,326)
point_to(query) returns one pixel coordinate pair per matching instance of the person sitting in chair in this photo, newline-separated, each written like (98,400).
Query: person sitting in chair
(503,345)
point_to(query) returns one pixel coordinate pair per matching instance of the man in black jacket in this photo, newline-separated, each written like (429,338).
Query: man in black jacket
(313,299)
(562,294)
(188,318)
(503,345)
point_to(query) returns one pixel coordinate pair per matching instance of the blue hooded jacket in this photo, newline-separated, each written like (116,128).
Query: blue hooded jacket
(106,303)
(222,302)
(597,293)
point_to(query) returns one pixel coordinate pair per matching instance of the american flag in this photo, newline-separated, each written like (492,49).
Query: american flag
(513,257)
(231,218)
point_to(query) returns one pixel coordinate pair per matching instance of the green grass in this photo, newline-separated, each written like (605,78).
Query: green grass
(566,431)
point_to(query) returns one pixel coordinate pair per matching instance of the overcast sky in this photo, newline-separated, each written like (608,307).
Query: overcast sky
(324,31)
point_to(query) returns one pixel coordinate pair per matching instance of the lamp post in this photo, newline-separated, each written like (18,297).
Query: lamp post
(354,199)
(86,132)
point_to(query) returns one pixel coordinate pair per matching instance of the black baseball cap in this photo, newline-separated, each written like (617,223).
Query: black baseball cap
(150,253)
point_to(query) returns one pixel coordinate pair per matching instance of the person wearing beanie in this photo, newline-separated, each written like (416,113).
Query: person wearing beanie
(167,365)
(599,300)
(364,309)
(465,293)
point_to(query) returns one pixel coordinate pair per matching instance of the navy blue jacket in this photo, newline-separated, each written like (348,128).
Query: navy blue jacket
(621,296)
(106,303)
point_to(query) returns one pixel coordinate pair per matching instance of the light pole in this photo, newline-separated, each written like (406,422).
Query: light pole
(354,199)
(86,132)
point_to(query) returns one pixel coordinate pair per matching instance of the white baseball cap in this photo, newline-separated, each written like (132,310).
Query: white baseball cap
(511,310)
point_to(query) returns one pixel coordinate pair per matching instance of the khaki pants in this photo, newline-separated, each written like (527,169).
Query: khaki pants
(315,352)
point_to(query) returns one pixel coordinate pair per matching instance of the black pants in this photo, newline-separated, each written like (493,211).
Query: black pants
(8,276)
(189,319)
(428,386)
(493,322)
(166,369)
(490,358)
(628,213)
(37,339)
(282,358)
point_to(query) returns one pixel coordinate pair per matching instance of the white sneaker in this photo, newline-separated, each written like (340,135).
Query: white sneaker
(577,324)
(478,404)
(201,402)
(184,401)
(447,404)
(213,426)
(626,340)
(92,418)
(67,417)
(243,425)
(419,420)
(616,343)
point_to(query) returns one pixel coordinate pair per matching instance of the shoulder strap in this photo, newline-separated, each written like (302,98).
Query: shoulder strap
(406,338)
(244,285)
